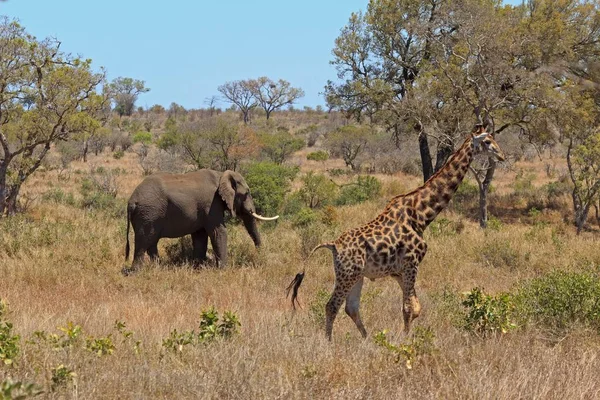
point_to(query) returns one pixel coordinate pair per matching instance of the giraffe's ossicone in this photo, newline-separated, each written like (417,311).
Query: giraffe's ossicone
(392,244)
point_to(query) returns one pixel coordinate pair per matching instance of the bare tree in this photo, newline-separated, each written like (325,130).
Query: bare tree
(272,95)
(211,102)
(239,93)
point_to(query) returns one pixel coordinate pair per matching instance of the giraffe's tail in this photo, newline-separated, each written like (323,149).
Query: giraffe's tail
(329,245)
(297,281)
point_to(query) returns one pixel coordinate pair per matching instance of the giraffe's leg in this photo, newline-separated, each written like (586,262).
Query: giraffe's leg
(353,306)
(340,291)
(411,308)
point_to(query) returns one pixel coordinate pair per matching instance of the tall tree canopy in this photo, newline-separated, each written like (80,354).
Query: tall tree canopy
(45,96)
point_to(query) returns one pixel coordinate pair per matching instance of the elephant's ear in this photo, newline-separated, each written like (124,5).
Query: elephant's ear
(227,190)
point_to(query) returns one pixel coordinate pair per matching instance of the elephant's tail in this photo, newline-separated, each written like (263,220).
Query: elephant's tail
(295,284)
(130,209)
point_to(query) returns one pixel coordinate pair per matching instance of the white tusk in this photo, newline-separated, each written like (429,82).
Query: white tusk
(255,215)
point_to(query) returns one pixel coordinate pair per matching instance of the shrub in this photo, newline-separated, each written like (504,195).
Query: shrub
(365,188)
(18,390)
(269,183)
(211,327)
(142,137)
(57,195)
(99,192)
(421,343)
(445,227)
(317,190)
(498,254)
(304,217)
(117,155)
(561,300)
(61,376)
(487,314)
(280,146)
(9,342)
(318,156)
(292,204)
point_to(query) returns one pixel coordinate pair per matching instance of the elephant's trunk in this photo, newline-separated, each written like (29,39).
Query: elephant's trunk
(252,228)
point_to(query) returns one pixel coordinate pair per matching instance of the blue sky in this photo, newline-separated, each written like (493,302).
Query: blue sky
(185,49)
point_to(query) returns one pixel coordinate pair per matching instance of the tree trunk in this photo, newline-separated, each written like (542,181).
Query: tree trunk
(580,210)
(85,150)
(11,200)
(268,114)
(426,162)
(3,190)
(444,152)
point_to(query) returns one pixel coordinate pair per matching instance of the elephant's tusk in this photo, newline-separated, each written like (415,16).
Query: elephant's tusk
(255,215)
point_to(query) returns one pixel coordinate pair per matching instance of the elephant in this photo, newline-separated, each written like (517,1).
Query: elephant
(174,205)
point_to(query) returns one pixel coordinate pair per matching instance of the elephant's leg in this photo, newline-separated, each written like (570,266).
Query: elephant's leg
(200,244)
(218,239)
(143,244)
(153,252)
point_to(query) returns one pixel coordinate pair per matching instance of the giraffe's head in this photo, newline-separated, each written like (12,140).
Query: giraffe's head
(484,143)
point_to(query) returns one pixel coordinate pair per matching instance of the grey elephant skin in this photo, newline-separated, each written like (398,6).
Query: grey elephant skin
(175,205)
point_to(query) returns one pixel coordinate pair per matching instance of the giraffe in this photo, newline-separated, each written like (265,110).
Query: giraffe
(392,244)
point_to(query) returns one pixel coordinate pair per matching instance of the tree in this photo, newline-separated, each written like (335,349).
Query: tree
(280,145)
(271,95)
(239,94)
(45,96)
(348,142)
(211,102)
(125,92)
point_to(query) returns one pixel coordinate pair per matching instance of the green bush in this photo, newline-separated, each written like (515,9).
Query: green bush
(421,343)
(18,390)
(292,204)
(117,155)
(317,190)
(57,195)
(561,300)
(142,137)
(211,327)
(487,314)
(320,155)
(9,342)
(305,217)
(365,188)
(269,184)
(466,192)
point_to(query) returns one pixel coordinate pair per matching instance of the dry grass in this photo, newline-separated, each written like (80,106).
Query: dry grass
(61,263)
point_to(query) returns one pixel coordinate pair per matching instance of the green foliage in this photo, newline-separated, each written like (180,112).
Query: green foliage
(466,192)
(366,188)
(57,195)
(305,217)
(61,376)
(280,146)
(486,314)
(318,156)
(317,190)
(100,346)
(11,390)
(269,184)
(348,142)
(142,137)
(117,155)
(9,342)
(125,92)
(561,300)
(211,327)
(421,343)
(444,227)
(99,192)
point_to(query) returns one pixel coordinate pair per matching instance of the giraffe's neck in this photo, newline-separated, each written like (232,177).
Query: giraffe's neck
(431,198)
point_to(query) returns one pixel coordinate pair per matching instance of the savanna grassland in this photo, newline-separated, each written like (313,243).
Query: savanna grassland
(88,332)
